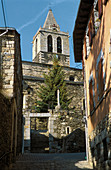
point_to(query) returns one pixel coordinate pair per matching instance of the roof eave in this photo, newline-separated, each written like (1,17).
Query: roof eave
(83,15)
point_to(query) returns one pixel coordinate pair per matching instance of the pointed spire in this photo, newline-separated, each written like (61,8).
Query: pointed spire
(50,22)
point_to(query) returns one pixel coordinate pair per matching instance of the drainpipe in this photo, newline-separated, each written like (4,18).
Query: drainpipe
(86,115)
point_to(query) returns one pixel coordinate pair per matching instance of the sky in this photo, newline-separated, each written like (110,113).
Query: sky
(26,16)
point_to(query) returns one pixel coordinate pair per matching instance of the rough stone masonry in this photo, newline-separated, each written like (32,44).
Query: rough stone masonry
(48,42)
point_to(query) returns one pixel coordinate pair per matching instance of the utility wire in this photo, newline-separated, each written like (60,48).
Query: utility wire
(3,13)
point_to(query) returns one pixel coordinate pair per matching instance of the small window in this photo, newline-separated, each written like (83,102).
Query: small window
(36,47)
(100,79)
(49,42)
(105,2)
(98,150)
(68,130)
(105,150)
(92,152)
(91,95)
(71,78)
(59,49)
(85,48)
(90,33)
(100,8)
(91,28)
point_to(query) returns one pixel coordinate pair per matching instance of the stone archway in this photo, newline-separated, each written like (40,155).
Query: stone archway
(36,132)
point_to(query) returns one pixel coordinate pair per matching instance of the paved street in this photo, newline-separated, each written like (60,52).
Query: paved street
(66,161)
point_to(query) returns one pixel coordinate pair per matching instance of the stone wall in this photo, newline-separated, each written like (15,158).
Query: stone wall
(100,144)
(18,90)
(47,57)
(33,76)
(11,87)
(65,130)
(5,128)
(72,118)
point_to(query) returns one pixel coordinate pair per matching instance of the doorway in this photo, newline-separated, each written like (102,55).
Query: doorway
(39,134)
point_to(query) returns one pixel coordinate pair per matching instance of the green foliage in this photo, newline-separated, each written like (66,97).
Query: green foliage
(48,93)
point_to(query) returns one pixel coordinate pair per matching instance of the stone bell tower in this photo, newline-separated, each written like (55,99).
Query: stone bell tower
(49,41)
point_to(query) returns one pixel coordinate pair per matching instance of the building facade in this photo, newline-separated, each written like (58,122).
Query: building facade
(92,46)
(10,96)
(50,42)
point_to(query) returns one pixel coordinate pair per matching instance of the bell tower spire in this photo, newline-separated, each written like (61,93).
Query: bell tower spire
(50,41)
(50,21)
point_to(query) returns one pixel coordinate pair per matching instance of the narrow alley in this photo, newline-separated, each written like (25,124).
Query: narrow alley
(37,161)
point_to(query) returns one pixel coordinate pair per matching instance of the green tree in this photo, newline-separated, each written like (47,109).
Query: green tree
(47,93)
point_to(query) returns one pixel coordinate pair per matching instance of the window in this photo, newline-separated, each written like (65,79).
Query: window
(98,150)
(68,130)
(49,42)
(105,2)
(90,33)
(100,77)
(91,28)
(91,94)
(59,50)
(36,47)
(92,152)
(105,149)
(71,78)
(100,74)
(85,48)
(100,8)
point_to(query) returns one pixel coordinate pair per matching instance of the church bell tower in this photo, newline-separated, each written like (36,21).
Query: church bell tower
(49,41)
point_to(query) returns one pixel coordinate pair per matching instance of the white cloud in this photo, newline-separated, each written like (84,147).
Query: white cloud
(50,5)
(33,20)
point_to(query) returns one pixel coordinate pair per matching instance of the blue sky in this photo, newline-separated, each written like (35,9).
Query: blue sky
(26,16)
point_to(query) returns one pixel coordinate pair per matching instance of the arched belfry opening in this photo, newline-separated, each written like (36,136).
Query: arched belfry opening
(49,43)
(59,47)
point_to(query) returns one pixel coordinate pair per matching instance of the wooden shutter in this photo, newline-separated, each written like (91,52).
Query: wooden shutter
(100,78)
(91,95)
(90,33)
(100,8)
(85,47)
(93,24)
(105,2)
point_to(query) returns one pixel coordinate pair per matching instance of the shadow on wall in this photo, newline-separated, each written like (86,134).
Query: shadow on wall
(100,142)
(42,142)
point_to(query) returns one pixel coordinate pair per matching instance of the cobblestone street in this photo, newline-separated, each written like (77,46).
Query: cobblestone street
(36,161)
